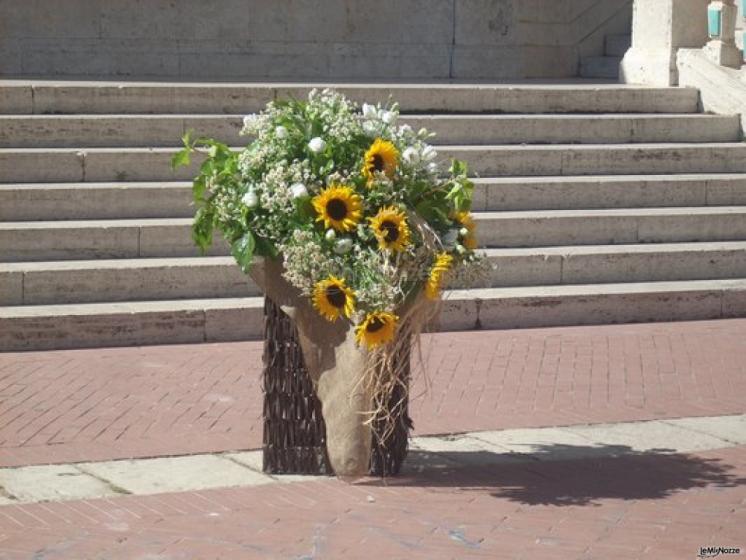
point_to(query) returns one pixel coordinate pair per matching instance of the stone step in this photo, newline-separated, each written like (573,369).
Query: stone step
(121,280)
(99,239)
(35,165)
(47,283)
(610,159)
(98,201)
(617,44)
(610,226)
(594,304)
(212,320)
(101,201)
(606,67)
(109,97)
(61,131)
(599,264)
(41,327)
(171,237)
(609,191)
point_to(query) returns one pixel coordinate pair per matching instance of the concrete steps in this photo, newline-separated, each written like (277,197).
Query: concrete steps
(173,199)
(171,237)
(107,97)
(211,320)
(72,131)
(597,203)
(33,165)
(90,281)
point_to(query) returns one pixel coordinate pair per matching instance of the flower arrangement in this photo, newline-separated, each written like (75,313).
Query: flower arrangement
(356,206)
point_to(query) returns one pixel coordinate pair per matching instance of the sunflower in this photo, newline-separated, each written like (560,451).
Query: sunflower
(332,298)
(467,221)
(338,207)
(382,157)
(434,283)
(390,228)
(377,329)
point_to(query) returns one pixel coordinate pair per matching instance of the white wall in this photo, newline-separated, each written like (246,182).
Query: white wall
(276,39)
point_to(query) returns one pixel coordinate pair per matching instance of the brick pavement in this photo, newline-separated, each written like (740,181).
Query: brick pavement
(74,405)
(649,506)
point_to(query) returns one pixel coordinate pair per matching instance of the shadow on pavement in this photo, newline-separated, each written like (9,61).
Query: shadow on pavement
(565,475)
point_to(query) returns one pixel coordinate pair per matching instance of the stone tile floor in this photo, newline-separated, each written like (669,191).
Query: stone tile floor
(94,405)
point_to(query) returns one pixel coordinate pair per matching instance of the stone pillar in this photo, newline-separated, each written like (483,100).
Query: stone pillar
(659,29)
(741,28)
(721,27)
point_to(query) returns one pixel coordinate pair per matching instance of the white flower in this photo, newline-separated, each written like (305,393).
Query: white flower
(460,249)
(463,232)
(429,153)
(370,128)
(317,145)
(410,155)
(388,117)
(405,129)
(330,235)
(432,167)
(422,133)
(250,199)
(343,245)
(369,111)
(298,190)
(281,132)
(249,120)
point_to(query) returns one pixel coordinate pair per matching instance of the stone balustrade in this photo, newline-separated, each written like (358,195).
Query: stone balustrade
(721,49)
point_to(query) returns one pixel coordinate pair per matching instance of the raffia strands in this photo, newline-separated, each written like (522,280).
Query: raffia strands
(388,369)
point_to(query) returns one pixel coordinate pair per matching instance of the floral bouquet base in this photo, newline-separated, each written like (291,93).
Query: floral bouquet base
(294,439)
(351,228)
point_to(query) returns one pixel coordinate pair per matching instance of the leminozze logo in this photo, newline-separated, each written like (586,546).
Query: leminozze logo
(712,551)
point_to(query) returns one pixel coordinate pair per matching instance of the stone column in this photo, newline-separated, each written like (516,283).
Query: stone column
(721,27)
(741,28)
(659,29)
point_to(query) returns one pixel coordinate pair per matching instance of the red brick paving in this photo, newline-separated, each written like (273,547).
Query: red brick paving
(75,405)
(657,507)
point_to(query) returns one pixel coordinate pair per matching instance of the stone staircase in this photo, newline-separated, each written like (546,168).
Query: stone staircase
(596,203)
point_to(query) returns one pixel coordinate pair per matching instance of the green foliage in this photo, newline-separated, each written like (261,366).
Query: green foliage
(242,250)
(248,196)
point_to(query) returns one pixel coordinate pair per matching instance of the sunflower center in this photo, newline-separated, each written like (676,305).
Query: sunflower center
(390,231)
(377,164)
(375,325)
(336,297)
(336,209)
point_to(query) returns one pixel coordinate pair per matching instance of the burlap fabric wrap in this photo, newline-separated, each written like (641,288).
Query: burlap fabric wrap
(335,365)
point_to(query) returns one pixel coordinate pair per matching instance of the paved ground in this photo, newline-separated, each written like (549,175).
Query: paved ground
(83,405)
(95,405)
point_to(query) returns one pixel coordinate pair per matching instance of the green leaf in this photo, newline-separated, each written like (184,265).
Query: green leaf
(202,227)
(304,208)
(265,248)
(199,186)
(430,210)
(181,158)
(243,250)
